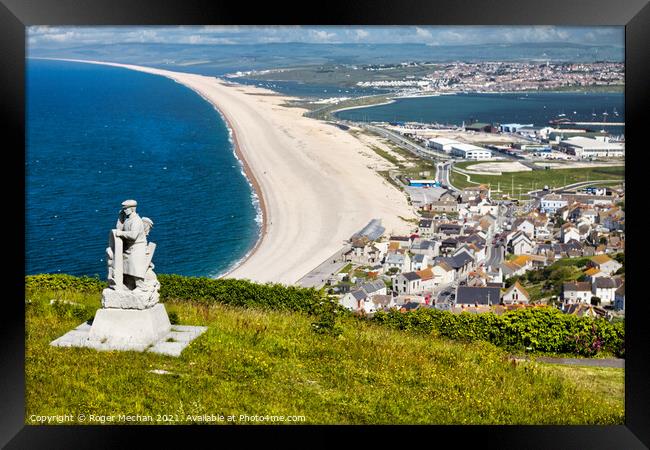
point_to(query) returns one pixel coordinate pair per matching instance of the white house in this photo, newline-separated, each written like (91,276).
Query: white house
(443,274)
(363,298)
(605,289)
(425,228)
(550,203)
(425,247)
(419,262)
(515,294)
(605,264)
(401,261)
(407,283)
(577,292)
(520,244)
(427,280)
(526,226)
(569,232)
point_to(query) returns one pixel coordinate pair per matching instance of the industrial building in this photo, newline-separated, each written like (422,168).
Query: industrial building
(584,148)
(469,151)
(512,127)
(479,126)
(441,143)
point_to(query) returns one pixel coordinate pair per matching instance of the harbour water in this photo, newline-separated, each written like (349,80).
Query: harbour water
(98,135)
(525,108)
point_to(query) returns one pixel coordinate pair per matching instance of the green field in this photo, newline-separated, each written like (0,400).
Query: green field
(261,362)
(513,183)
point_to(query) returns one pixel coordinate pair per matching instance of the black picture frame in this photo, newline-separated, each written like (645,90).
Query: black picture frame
(15,15)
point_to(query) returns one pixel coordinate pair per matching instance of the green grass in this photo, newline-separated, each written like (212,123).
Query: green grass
(384,154)
(327,112)
(536,179)
(346,269)
(607,382)
(269,362)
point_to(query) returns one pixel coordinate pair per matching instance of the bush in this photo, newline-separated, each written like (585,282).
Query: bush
(240,293)
(327,313)
(545,330)
(63,282)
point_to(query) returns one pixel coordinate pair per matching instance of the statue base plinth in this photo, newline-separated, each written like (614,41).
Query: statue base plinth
(129,329)
(128,326)
(139,298)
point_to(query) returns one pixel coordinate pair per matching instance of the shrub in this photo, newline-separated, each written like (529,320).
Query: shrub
(327,314)
(240,293)
(63,282)
(545,330)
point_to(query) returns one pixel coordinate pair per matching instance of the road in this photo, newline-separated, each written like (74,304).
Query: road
(443,175)
(540,192)
(406,144)
(318,276)
(589,362)
(495,255)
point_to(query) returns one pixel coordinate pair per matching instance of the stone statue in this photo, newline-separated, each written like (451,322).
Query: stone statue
(131,317)
(131,279)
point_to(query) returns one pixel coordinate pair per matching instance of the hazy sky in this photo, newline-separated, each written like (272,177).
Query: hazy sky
(61,37)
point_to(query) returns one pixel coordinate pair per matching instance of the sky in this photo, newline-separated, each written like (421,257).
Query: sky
(45,37)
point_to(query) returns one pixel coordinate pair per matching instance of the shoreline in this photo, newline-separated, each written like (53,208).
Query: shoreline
(314,183)
(257,190)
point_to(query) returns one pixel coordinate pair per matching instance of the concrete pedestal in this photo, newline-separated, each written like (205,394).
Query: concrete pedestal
(131,329)
(130,326)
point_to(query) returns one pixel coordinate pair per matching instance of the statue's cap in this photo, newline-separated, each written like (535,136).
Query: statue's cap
(129,203)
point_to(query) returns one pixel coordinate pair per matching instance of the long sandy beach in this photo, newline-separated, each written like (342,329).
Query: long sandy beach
(316,182)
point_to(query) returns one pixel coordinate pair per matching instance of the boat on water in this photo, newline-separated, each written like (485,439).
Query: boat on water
(559,121)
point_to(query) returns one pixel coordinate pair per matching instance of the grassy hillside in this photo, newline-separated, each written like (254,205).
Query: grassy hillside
(262,362)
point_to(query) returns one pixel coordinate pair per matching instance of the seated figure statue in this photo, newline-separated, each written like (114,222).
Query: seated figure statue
(131,279)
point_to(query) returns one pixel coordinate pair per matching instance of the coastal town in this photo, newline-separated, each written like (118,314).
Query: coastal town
(426,78)
(475,254)
(501,76)
(481,247)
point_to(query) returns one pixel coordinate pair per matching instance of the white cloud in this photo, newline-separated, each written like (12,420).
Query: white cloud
(58,36)
(321,35)
(424,34)
(362,34)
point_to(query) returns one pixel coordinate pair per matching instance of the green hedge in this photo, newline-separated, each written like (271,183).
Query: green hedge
(208,290)
(240,293)
(545,330)
(63,282)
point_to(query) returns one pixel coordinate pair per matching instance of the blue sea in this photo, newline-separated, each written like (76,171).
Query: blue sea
(532,108)
(99,135)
